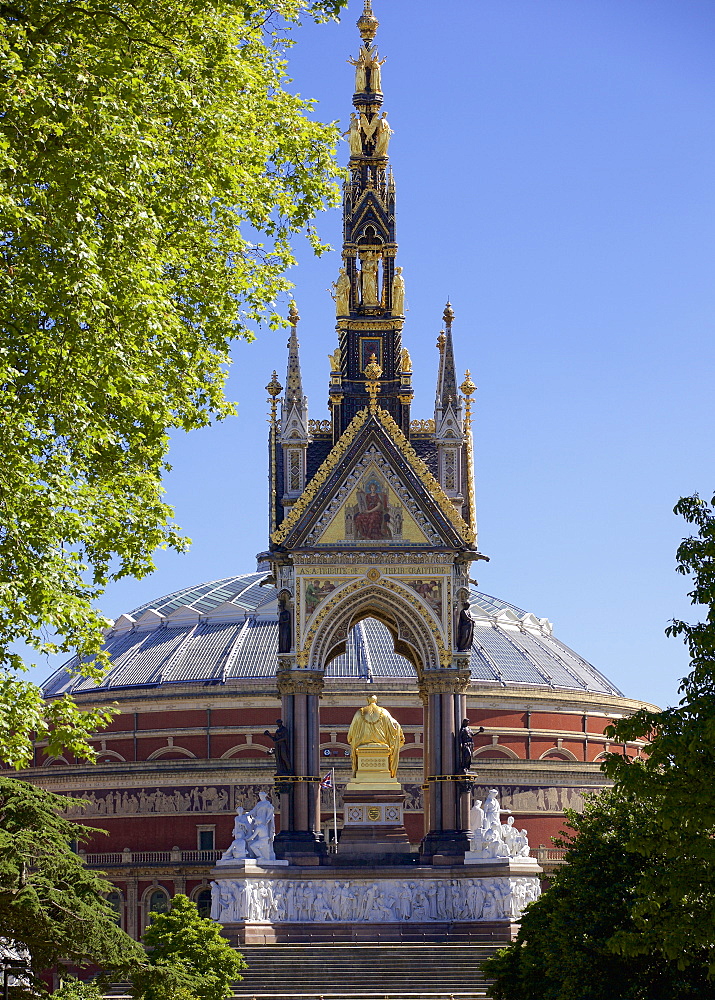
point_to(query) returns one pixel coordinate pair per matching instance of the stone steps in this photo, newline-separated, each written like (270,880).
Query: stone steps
(364,972)
(399,971)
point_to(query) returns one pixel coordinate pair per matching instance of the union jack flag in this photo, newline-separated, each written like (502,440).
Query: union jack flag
(327,781)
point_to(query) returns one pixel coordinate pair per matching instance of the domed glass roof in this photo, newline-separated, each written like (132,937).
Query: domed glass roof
(228,629)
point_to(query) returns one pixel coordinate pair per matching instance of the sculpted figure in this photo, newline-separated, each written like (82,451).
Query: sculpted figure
(335,359)
(465,629)
(398,308)
(466,745)
(368,280)
(354,136)
(384,132)
(360,65)
(285,628)
(476,817)
(342,305)
(282,747)
(375,64)
(261,840)
(373,725)
(509,834)
(521,845)
(492,810)
(242,832)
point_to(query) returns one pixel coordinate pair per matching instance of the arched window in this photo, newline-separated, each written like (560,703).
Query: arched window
(203,902)
(116,902)
(157,902)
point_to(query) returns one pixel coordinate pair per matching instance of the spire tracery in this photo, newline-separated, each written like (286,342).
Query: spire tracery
(370,290)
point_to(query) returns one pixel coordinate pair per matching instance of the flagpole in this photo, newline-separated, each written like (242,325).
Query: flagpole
(335,809)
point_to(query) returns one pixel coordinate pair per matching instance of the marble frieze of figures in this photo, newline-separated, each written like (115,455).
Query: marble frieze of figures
(196,799)
(165,800)
(263,900)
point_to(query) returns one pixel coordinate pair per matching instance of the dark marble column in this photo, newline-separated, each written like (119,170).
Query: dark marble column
(300,840)
(443,691)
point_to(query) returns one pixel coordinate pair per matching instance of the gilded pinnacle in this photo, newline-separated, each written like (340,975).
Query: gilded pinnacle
(448,314)
(372,369)
(367,23)
(468,386)
(274,388)
(293,316)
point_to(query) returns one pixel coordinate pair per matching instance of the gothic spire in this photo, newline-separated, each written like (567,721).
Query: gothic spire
(370,288)
(446,376)
(294,409)
(294,382)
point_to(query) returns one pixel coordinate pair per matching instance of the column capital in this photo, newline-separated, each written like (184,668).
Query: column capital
(445,681)
(292,680)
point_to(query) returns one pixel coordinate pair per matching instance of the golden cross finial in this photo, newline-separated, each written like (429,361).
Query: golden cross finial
(373,373)
(274,389)
(468,387)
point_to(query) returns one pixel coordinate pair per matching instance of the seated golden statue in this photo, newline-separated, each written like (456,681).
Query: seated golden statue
(373,726)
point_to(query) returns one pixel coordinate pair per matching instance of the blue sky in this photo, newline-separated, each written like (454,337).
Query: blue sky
(554,162)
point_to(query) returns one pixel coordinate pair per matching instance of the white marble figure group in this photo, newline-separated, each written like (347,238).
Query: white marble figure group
(287,900)
(253,833)
(490,837)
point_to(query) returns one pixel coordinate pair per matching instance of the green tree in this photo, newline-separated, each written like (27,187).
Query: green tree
(75,989)
(567,944)
(675,910)
(49,901)
(634,907)
(153,171)
(187,957)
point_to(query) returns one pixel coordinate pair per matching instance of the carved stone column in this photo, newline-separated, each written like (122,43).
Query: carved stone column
(300,840)
(443,692)
(132,903)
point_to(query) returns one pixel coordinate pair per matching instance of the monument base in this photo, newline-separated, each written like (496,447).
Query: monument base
(415,932)
(373,825)
(387,904)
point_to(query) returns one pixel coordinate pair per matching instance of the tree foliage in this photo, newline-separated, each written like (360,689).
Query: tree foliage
(188,958)
(567,947)
(675,913)
(153,170)
(49,901)
(633,909)
(76,989)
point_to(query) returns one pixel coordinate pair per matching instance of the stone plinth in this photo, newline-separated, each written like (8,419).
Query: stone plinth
(389,903)
(249,864)
(373,770)
(373,824)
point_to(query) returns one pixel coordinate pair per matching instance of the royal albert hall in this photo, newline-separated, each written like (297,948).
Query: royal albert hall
(364,588)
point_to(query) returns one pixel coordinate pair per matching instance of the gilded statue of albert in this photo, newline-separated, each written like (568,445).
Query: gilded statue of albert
(373,726)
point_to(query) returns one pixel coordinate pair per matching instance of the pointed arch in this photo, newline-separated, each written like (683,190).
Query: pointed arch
(415,632)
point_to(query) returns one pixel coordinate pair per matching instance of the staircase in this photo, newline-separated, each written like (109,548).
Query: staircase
(364,971)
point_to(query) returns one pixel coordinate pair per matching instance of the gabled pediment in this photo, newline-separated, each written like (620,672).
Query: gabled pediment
(373,491)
